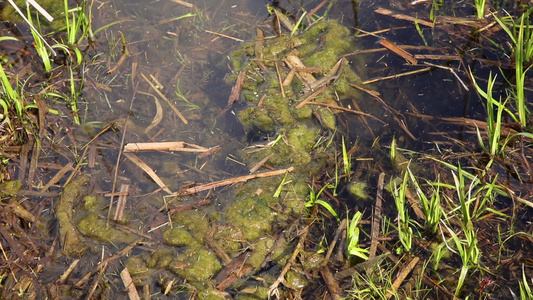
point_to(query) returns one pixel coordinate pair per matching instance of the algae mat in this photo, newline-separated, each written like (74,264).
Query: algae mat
(289,84)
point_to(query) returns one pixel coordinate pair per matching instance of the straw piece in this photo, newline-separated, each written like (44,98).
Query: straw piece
(121,202)
(387,12)
(57,176)
(220,183)
(67,272)
(401,277)
(128,283)
(176,111)
(41,10)
(398,51)
(376,220)
(164,146)
(141,164)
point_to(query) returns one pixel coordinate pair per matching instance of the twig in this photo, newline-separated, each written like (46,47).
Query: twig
(141,164)
(223,35)
(224,182)
(376,219)
(128,283)
(396,75)
(386,12)
(119,156)
(398,51)
(164,146)
(401,277)
(338,232)
(176,111)
(67,272)
(333,287)
(347,110)
(273,290)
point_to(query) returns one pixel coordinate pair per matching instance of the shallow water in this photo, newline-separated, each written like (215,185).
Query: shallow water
(189,56)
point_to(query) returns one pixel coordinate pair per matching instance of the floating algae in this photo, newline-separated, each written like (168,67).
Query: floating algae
(276,110)
(259,205)
(80,219)
(10,188)
(73,244)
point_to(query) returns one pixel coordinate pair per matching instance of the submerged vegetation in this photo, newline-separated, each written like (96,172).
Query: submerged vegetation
(357,171)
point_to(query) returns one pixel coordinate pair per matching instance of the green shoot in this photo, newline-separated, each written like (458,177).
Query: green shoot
(525,289)
(12,97)
(405,232)
(280,187)
(352,237)
(346,160)
(523,53)
(297,25)
(480,8)
(313,199)
(431,207)
(40,44)
(77,23)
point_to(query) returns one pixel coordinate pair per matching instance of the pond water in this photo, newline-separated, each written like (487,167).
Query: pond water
(164,71)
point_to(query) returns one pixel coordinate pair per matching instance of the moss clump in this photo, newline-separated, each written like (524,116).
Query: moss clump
(142,267)
(73,243)
(358,190)
(179,237)
(312,260)
(252,215)
(138,269)
(92,202)
(261,250)
(10,188)
(259,292)
(160,258)
(195,221)
(295,280)
(92,226)
(230,238)
(254,210)
(201,265)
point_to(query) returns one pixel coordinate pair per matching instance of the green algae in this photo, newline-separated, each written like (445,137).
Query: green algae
(230,238)
(196,222)
(259,292)
(72,243)
(248,220)
(92,202)
(10,188)
(93,226)
(142,267)
(358,190)
(53,7)
(311,260)
(179,237)
(295,280)
(261,249)
(252,215)
(201,265)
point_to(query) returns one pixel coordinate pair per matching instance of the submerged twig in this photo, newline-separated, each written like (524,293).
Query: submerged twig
(164,146)
(224,182)
(376,220)
(387,12)
(398,51)
(176,111)
(141,164)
